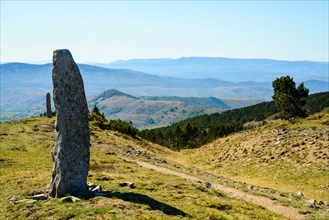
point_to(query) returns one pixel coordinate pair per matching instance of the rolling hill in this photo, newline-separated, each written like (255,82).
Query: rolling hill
(151,112)
(287,156)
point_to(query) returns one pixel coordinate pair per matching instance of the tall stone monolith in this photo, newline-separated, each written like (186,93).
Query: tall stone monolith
(48,105)
(71,151)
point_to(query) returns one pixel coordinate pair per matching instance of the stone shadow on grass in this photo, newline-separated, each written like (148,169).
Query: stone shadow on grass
(143,199)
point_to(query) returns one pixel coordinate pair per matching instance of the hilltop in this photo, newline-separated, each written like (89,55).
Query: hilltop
(150,111)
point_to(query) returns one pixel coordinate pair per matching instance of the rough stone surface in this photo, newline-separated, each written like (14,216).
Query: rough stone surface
(70,199)
(300,194)
(13,200)
(71,151)
(48,105)
(42,196)
(311,203)
(129,184)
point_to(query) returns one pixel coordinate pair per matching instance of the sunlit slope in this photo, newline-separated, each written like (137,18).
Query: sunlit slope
(25,165)
(287,156)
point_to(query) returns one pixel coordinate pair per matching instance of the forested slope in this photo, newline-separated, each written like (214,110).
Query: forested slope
(197,131)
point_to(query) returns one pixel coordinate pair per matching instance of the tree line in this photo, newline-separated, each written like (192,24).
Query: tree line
(197,131)
(98,119)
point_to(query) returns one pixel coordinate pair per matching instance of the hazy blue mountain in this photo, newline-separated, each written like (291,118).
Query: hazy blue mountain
(316,86)
(23,86)
(227,69)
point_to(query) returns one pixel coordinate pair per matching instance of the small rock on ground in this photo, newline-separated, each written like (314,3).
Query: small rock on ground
(311,203)
(70,199)
(129,184)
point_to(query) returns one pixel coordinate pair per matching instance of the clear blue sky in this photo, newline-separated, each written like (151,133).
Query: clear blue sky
(104,31)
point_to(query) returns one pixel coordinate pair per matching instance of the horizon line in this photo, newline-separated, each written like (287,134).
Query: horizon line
(41,62)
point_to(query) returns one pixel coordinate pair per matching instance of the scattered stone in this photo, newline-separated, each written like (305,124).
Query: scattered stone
(13,200)
(311,203)
(97,189)
(325,186)
(71,151)
(300,194)
(70,199)
(91,185)
(38,197)
(35,192)
(159,160)
(129,184)
(250,187)
(207,184)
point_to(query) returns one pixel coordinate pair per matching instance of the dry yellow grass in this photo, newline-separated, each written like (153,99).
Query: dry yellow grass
(25,165)
(287,156)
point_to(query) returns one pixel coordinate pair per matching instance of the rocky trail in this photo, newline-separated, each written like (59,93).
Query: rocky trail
(288,212)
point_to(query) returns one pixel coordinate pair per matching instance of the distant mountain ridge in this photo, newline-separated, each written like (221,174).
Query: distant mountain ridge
(23,87)
(227,69)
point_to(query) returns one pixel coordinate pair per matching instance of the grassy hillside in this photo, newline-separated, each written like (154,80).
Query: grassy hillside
(287,156)
(25,165)
(153,112)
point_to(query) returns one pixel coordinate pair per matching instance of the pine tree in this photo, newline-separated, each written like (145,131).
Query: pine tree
(288,99)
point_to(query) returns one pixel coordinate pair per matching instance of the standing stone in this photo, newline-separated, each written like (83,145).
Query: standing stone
(48,105)
(71,151)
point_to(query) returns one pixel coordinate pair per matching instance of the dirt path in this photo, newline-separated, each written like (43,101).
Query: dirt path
(288,212)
